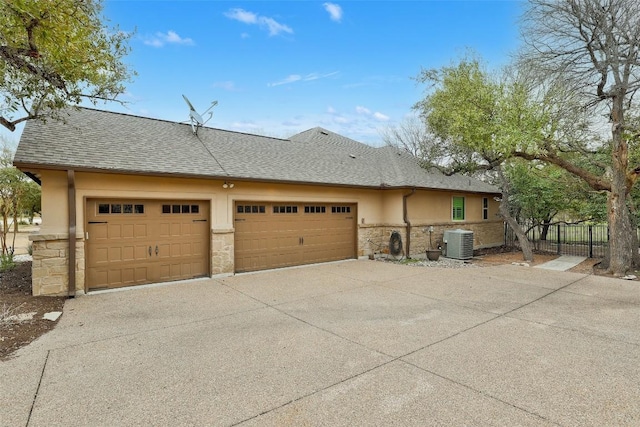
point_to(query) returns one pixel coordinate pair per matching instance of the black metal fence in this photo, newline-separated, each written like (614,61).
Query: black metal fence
(585,240)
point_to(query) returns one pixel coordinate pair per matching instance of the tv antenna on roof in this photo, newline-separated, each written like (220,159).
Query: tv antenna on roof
(196,119)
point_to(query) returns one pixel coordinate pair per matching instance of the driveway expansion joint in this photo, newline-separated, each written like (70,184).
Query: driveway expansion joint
(35,395)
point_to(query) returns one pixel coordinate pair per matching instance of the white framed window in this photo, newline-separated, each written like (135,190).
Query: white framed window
(485,208)
(457,212)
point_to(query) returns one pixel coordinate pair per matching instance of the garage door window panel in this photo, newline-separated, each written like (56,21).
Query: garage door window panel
(285,209)
(253,209)
(315,209)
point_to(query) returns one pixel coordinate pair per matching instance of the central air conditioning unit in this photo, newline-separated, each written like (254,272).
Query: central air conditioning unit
(459,244)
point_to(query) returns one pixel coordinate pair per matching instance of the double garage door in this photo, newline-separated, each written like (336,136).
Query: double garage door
(132,242)
(272,235)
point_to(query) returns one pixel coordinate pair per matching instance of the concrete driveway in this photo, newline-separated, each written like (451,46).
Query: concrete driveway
(350,343)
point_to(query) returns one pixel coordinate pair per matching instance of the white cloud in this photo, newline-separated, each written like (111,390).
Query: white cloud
(242,16)
(289,79)
(316,76)
(297,78)
(331,110)
(154,42)
(171,37)
(274,27)
(271,25)
(366,112)
(227,85)
(380,116)
(245,126)
(334,10)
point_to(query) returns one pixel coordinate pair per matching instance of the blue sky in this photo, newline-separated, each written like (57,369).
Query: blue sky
(281,67)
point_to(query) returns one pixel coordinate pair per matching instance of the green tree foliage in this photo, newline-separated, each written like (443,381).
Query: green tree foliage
(474,119)
(591,49)
(30,204)
(543,194)
(488,122)
(56,53)
(18,196)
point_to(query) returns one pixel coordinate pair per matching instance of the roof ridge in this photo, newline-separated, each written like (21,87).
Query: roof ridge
(185,123)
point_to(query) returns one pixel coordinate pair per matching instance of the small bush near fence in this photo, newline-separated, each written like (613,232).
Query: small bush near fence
(586,240)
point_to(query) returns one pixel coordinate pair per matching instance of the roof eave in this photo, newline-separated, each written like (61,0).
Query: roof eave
(28,167)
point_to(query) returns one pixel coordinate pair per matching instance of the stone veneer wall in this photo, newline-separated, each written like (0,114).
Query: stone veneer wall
(222,252)
(50,274)
(374,238)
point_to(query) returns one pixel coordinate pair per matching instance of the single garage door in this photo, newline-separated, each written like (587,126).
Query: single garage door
(132,242)
(272,235)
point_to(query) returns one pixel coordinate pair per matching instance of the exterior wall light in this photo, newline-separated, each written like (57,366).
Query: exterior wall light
(227,185)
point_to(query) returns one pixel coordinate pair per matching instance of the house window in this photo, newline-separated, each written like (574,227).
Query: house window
(485,208)
(458,209)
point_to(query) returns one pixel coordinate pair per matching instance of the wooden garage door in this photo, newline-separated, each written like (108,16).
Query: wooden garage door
(132,242)
(272,235)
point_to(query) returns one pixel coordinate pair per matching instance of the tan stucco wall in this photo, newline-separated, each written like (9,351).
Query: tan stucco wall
(437,206)
(91,185)
(379,211)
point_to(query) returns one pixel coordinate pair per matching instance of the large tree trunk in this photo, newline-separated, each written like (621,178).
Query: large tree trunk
(545,229)
(525,244)
(505,213)
(623,241)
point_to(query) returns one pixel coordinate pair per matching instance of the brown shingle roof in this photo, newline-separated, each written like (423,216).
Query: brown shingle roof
(98,140)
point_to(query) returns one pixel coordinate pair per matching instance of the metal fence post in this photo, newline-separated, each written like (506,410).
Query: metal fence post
(590,241)
(558,239)
(506,229)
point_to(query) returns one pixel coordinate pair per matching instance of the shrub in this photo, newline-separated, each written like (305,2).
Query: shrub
(6,262)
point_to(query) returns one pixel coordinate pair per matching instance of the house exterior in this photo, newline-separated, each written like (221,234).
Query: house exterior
(129,200)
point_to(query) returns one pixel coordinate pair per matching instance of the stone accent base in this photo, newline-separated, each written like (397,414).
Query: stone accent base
(374,238)
(222,251)
(50,267)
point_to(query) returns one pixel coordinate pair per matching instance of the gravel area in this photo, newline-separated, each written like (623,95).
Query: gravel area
(441,263)
(22,258)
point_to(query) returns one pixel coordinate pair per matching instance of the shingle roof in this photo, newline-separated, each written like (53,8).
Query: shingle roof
(91,139)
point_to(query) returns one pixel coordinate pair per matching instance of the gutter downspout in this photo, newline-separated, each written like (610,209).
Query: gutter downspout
(405,217)
(71,199)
